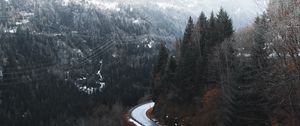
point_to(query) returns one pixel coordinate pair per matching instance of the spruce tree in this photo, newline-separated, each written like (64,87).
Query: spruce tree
(249,104)
(162,61)
(159,69)
(170,70)
(186,64)
(212,31)
(259,54)
(200,37)
(224,24)
(169,82)
(200,31)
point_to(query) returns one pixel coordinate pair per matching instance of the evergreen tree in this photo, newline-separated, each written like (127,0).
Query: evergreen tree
(159,69)
(247,103)
(200,36)
(200,31)
(212,31)
(170,70)
(186,64)
(259,54)
(162,62)
(169,77)
(224,24)
(219,29)
(227,66)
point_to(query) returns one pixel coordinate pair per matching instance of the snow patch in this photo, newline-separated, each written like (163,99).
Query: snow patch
(151,44)
(114,55)
(79,52)
(80,83)
(26,14)
(247,55)
(11,30)
(166,5)
(106,5)
(136,21)
(25,21)
(131,9)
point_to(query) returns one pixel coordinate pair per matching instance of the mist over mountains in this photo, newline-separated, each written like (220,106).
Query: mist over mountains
(89,62)
(242,12)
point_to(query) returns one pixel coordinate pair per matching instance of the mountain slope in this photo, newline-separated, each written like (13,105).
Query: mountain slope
(242,12)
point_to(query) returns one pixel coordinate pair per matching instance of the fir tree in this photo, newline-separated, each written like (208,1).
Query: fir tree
(247,104)
(186,66)
(162,61)
(259,55)
(200,31)
(200,36)
(159,69)
(169,77)
(224,23)
(212,31)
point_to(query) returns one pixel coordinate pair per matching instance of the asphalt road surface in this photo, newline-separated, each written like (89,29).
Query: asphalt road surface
(139,117)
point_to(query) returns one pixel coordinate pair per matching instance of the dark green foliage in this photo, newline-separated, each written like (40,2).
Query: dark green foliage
(197,67)
(159,70)
(248,104)
(186,65)
(213,33)
(162,61)
(224,24)
(259,52)
(169,79)
(41,65)
(201,38)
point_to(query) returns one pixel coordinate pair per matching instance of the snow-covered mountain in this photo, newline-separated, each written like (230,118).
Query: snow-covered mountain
(242,12)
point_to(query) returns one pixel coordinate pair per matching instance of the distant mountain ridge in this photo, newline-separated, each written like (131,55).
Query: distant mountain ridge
(242,12)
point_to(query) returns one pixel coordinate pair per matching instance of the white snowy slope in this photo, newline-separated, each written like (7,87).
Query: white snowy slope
(139,116)
(243,12)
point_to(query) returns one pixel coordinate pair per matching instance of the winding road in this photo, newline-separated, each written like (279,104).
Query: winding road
(139,117)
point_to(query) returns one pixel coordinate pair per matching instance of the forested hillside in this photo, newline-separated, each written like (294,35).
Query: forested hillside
(89,62)
(221,77)
(75,63)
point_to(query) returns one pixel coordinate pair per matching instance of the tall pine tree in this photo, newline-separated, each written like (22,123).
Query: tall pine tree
(224,24)
(213,32)
(248,105)
(186,64)
(169,80)
(200,37)
(259,54)
(159,69)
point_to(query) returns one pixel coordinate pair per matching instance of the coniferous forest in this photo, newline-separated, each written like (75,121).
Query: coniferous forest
(221,77)
(96,63)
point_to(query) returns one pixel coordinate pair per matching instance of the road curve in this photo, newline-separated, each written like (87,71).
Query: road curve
(139,117)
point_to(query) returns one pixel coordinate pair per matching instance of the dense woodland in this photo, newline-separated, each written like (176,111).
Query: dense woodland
(77,65)
(222,77)
(51,63)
